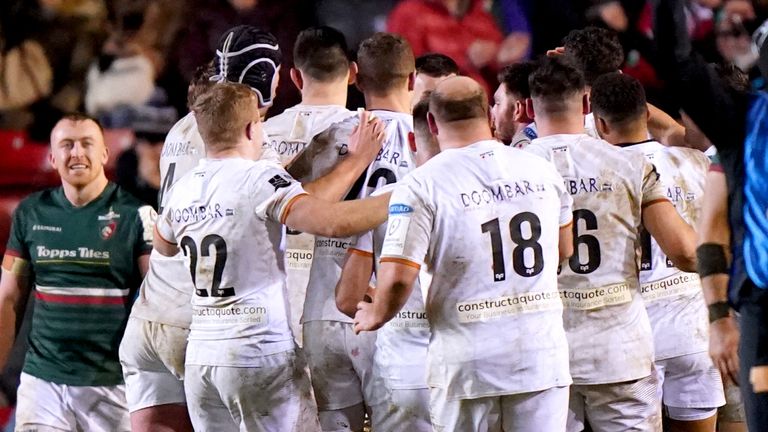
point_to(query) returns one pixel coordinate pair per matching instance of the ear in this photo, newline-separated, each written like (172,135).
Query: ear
(586,109)
(52,158)
(248,133)
(297,79)
(432,124)
(352,73)
(411,80)
(105,155)
(647,113)
(519,115)
(529,109)
(412,141)
(602,127)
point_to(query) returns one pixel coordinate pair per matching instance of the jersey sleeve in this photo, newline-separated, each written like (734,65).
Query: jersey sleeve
(409,226)
(363,244)
(145,221)
(17,246)
(653,188)
(566,201)
(164,226)
(273,193)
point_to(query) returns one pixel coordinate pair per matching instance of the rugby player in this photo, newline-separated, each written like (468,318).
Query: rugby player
(615,194)
(243,369)
(84,248)
(491,223)
(690,386)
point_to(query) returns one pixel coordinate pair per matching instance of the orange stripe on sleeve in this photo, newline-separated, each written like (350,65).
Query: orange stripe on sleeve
(360,252)
(403,261)
(656,201)
(288,206)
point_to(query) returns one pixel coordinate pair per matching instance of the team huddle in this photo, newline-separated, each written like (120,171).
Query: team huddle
(410,264)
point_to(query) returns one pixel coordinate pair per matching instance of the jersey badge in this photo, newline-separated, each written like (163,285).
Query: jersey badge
(279,181)
(107,230)
(396,209)
(109,215)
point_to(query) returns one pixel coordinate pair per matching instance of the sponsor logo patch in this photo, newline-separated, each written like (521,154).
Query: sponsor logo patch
(396,209)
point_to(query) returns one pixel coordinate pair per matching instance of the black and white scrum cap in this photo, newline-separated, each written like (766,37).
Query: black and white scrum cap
(249,56)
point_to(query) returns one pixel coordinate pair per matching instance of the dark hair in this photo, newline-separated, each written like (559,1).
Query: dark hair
(201,81)
(553,80)
(420,110)
(449,108)
(733,77)
(321,53)
(618,98)
(515,78)
(385,61)
(436,65)
(81,117)
(596,51)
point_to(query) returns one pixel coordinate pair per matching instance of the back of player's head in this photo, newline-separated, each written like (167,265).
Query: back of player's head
(223,112)
(321,53)
(249,56)
(553,84)
(515,79)
(420,111)
(457,99)
(619,99)
(436,65)
(596,51)
(201,81)
(385,62)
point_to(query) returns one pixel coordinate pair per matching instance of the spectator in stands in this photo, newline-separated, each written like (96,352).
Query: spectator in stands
(462,30)
(138,168)
(209,19)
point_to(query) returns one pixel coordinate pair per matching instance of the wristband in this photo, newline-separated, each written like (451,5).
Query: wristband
(718,310)
(711,259)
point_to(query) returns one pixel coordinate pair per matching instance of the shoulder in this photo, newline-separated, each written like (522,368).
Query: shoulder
(37,199)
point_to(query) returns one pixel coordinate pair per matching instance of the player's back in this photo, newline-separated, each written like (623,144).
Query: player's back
(493,305)
(290,132)
(674,299)
(165,293)
(608,330)
(219,212)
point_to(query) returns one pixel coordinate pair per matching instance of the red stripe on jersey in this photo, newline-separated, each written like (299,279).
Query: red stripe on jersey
(81,300)
(17,254)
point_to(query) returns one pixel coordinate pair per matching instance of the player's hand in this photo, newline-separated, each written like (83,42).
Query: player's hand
(365,319)
(513,48)
(613,16)
(557,52)
(482,52)
(367,137)
(723,348)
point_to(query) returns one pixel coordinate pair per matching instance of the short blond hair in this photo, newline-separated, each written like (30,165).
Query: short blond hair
(223,112)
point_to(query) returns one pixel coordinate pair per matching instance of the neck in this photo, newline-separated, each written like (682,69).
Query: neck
(629,136)
(334,93)
(243,149)
(555,125)
(462,133)
(80,196)
(397,101)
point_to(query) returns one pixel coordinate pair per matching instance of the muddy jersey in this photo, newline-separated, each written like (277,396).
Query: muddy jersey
(393,162)
(674,299)
(226,216)
(488,233)
(401,344)
(609,334)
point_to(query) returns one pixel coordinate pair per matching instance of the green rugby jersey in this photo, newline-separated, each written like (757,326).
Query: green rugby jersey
(84,263)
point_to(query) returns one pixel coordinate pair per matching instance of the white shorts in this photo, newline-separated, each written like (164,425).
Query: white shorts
(298,259)
(274,397)
(525,412)
(43,406)
(340,363)
(152,357)
(624,406)
(690,381)
(402,410)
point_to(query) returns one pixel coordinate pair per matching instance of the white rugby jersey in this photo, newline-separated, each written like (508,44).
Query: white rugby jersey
(609,335)
(486,219)
(165,293)
(226,217)
(393,162)
(674,299)
(290,132)
(401,344)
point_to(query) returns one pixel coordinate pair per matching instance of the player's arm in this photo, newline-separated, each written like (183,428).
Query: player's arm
(665,129)
(565,244)
(394,283)
(364,144)
(714,263)
(354,281)
(315,216)
(14,291)
(163,238)
(673,234)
